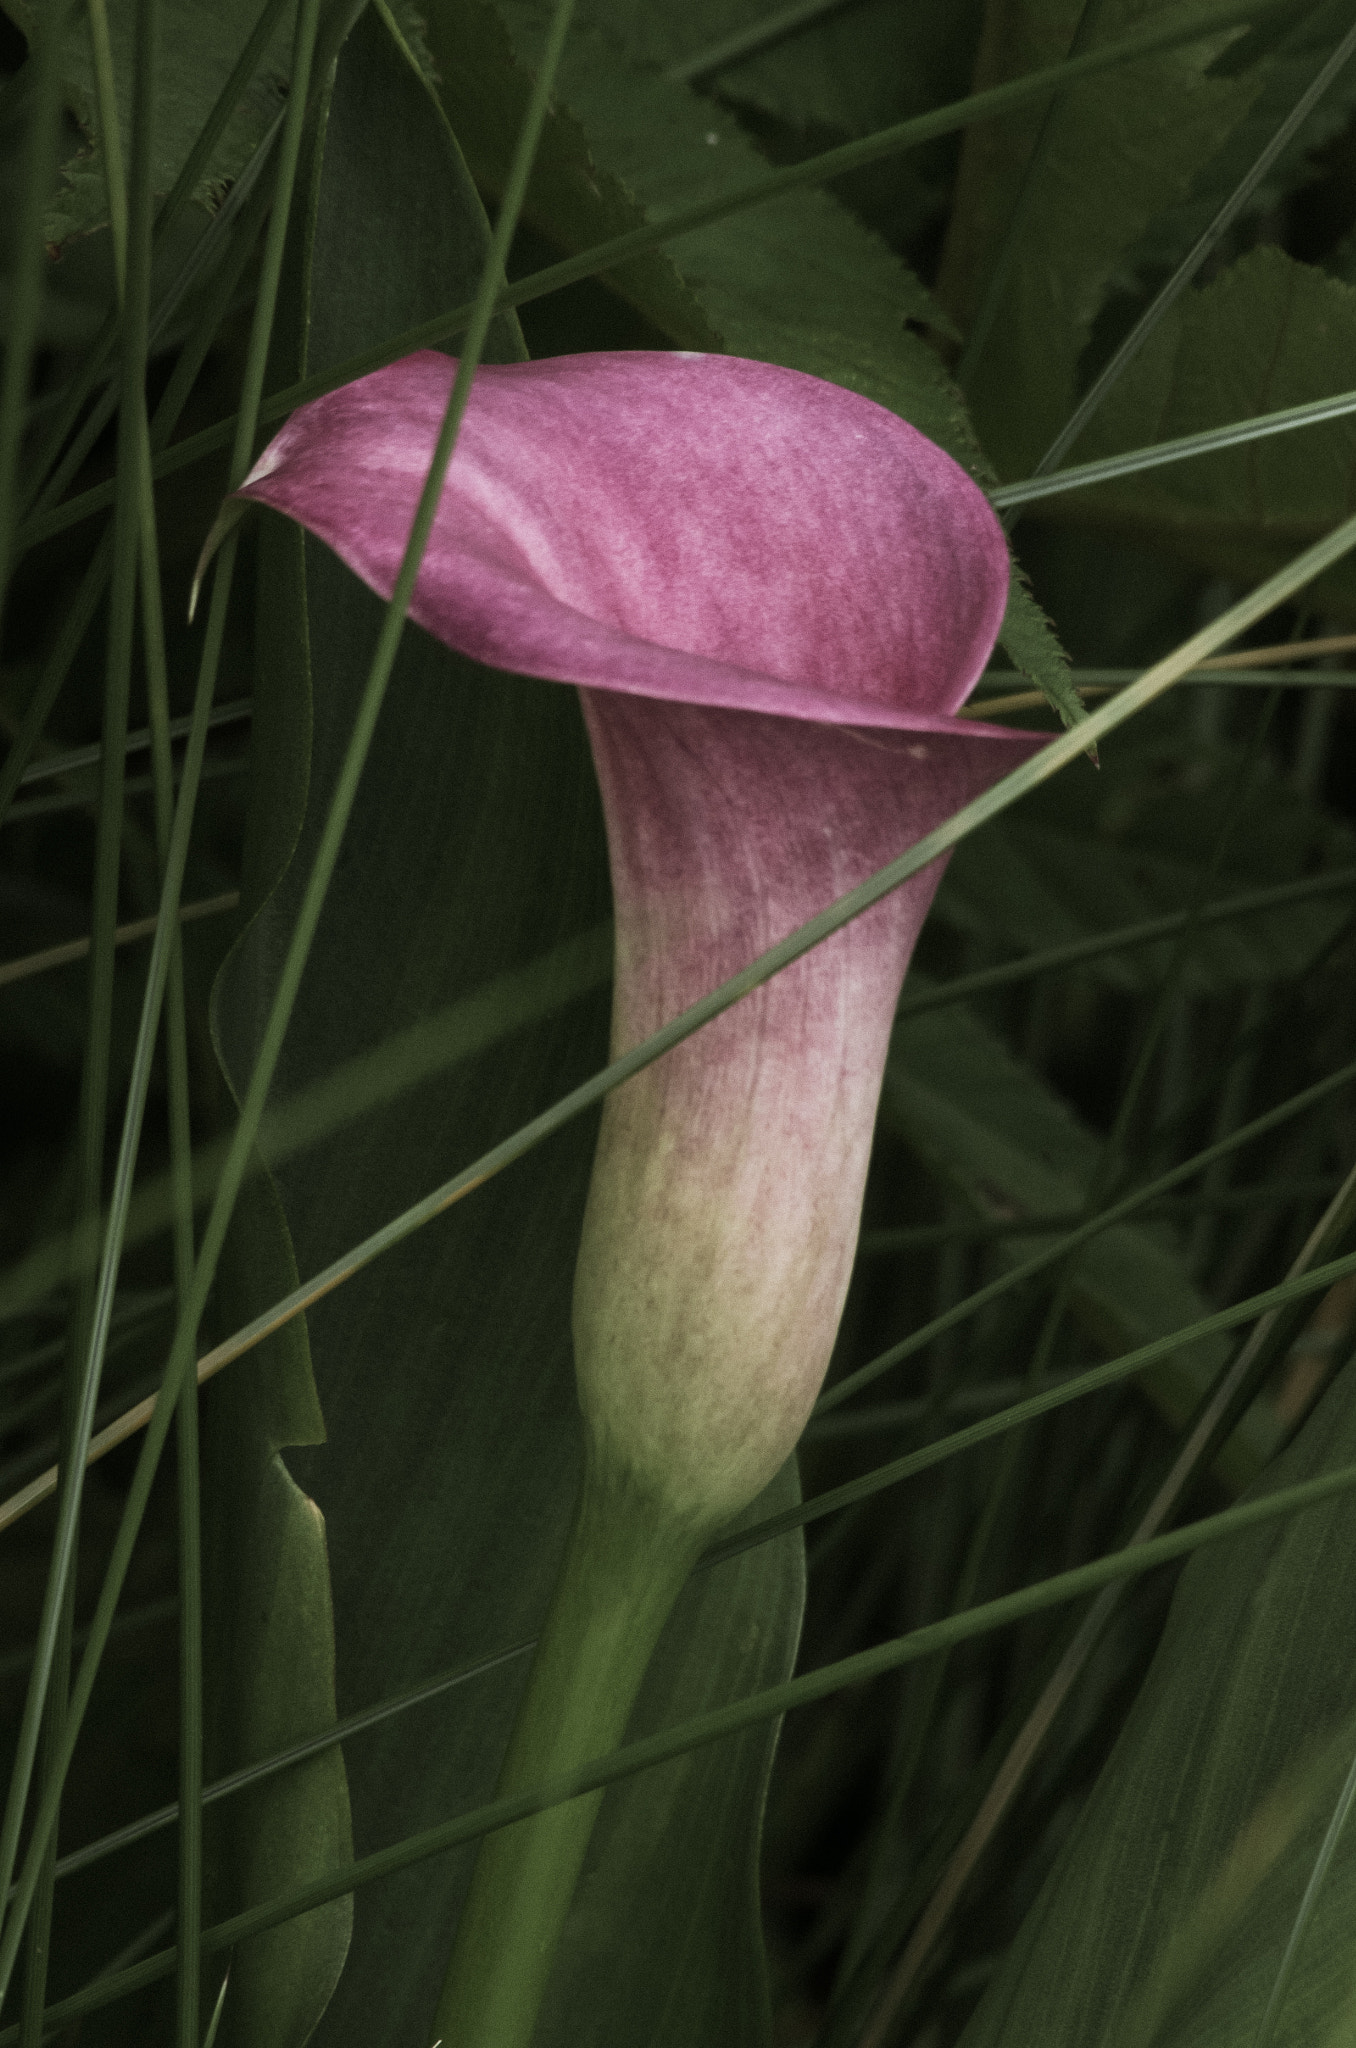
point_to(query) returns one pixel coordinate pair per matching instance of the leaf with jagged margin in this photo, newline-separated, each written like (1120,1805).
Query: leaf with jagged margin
(854,70)
(1032,646)
(1166,1916)
(798,281)
(200,40)
(1120,149)
(1267,333)
(1089,854)
(1006,1144)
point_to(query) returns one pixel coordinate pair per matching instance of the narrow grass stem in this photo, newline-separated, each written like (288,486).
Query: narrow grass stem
(748,42)
(1201,1441)
(1076,1388)
(180,1363)
(30,258)
(750,1712)
(489,1013)
(1009,248)
(1165,299)
(110,137)
(45,1700)
(189,1918)
(1294,1291)
(1341,1813)
(1060,751)
(194,165)
(80,613)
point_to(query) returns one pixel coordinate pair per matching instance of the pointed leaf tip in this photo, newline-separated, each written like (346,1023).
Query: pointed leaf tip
(232,512)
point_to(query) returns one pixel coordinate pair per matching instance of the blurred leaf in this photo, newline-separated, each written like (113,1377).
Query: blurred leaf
(1089,854)
(1268,333)
(1287,48)
(798,281)
(200,41)
(444,1371)
(1166,1916)
(1009,1147)
(1118,150)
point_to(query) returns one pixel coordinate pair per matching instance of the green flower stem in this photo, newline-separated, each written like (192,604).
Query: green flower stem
(624,1566)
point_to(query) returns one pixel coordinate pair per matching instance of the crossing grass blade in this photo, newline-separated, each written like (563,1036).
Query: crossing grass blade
(1278,1504)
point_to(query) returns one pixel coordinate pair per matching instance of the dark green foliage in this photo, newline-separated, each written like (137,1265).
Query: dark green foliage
(387,1482)
(1167,1914)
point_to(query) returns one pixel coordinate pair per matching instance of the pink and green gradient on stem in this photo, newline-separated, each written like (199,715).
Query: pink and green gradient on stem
(774,596)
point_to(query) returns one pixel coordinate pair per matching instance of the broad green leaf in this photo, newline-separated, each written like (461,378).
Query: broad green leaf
(1268,332)
(444,1371)
(1167,1913)
(798,281)
(270,1655)
(1089,853)
(1117,152)
(1009,1147)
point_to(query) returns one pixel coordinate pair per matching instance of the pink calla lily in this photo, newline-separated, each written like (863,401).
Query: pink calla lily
(774,595)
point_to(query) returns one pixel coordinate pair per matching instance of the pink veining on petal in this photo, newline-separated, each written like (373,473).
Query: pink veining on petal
(748,1145)
(699,528)
(775,595)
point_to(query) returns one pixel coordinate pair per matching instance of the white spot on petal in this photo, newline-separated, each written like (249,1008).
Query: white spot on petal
(918,753)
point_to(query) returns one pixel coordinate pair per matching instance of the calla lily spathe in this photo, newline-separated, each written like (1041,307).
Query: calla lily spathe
(774,596)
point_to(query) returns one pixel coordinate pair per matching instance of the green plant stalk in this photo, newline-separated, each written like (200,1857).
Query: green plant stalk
(624,1566)
(110,135)
(189,1919)
(721,1722)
